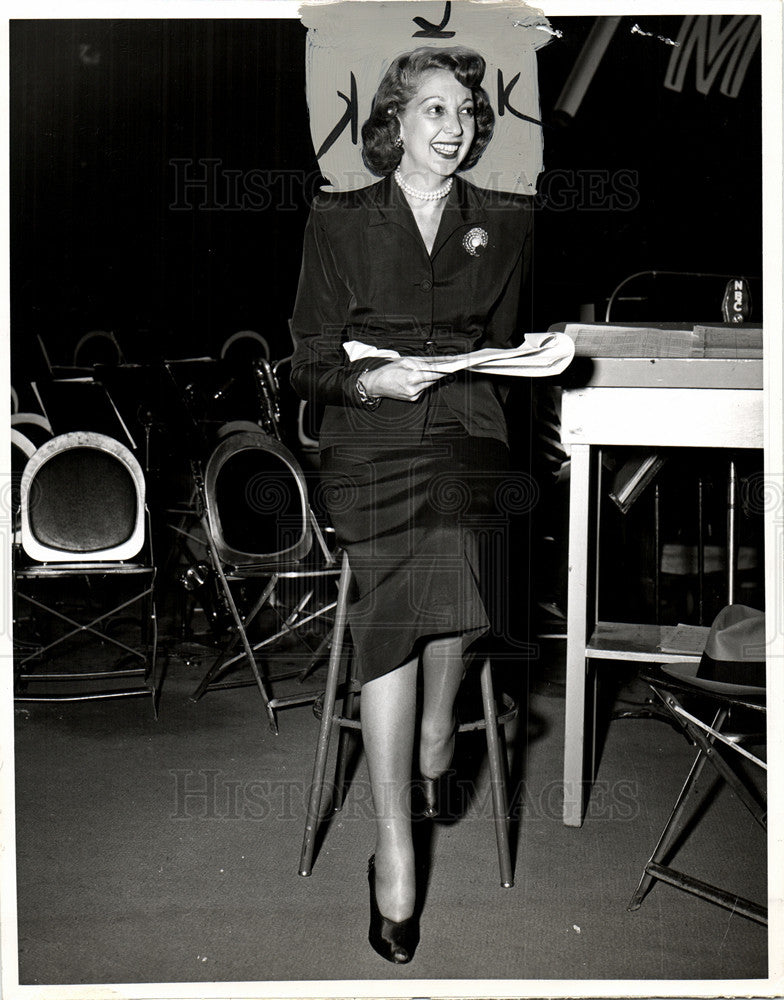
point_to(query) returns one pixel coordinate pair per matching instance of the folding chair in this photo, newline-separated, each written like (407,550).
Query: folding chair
(254,511)
(83,518)
(705,726)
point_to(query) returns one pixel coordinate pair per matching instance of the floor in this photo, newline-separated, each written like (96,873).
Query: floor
(166,851)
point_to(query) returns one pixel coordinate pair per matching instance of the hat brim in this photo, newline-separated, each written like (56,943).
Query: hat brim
(688,672)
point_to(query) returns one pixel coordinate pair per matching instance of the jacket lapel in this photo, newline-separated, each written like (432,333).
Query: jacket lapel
(463,209)
(389,207)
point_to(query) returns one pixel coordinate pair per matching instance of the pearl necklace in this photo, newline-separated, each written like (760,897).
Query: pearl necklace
(437,195)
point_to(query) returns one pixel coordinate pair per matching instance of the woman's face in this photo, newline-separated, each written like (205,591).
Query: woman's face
(437,128)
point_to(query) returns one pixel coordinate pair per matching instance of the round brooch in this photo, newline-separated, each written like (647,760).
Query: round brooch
(475,240)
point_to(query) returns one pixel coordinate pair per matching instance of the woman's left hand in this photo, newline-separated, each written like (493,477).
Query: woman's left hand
(405,379)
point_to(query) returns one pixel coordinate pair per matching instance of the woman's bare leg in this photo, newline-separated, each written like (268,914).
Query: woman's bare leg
(388,707)
(443,667)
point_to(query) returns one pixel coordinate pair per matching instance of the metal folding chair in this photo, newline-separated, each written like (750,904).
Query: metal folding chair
(254,511)
(705,725)
(83,518)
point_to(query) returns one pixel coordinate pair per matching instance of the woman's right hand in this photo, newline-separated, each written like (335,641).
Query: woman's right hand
(405,379)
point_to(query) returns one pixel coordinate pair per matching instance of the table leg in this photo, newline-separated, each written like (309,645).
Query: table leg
(732,541)
(577,625)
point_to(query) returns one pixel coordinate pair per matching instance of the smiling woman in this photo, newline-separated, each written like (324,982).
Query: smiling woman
(436,129)
(426,264)
(410,87)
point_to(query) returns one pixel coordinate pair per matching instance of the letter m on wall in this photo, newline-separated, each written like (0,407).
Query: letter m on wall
(716,43)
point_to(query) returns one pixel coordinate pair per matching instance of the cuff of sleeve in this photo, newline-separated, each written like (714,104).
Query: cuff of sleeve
(354,370)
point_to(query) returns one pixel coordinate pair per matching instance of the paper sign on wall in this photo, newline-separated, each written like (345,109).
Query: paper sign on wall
(350,45)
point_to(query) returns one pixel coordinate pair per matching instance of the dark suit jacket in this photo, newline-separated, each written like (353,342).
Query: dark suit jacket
(366,275)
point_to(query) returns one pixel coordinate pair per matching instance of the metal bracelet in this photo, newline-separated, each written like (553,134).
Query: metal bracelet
(371,402)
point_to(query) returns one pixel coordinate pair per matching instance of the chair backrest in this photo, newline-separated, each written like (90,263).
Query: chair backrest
(82,500)
(97,346)
(257,503)
(22,444)
(34,426)
(245,345)
(237,427)
(22,450)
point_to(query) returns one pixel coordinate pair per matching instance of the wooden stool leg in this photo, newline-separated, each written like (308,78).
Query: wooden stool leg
(497,777)
(325,730)
(345,740)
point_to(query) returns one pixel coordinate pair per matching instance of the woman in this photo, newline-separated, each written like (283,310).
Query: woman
(424,264)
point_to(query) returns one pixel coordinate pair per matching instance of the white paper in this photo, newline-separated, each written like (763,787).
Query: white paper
(539,354)
(687,639)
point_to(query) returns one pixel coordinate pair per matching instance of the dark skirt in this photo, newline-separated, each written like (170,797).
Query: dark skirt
(411,520)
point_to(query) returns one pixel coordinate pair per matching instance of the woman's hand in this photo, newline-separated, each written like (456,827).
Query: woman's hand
(405,379)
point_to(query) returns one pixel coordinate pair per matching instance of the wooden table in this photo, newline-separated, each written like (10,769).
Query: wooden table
(672,402)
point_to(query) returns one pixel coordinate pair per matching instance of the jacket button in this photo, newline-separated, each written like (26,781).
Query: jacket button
(427,284)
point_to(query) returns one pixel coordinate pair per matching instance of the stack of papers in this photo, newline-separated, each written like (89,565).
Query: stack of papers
(539,354)
(604,340)
(687,639)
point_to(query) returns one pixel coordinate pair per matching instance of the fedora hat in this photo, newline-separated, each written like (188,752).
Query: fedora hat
(733,661)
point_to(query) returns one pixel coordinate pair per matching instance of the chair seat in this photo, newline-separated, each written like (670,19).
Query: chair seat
(287,570)
(53,570)
(681,677)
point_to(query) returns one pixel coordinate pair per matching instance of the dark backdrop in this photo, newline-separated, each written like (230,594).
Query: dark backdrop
(109,118)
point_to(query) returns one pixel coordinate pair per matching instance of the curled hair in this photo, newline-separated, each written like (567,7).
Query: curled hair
(399,85)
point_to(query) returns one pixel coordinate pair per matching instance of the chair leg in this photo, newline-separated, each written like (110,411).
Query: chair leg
(497,777)
(309,667)
(240,626)
(223,660)
(97,628)
(155,681)
(325,730)
(672,826)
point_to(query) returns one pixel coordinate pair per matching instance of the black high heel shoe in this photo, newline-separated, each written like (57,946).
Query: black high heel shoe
(430,797)
(436,797)
(394,940)
(435,790)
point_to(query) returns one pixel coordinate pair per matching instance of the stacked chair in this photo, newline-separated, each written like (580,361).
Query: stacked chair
(83,523)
